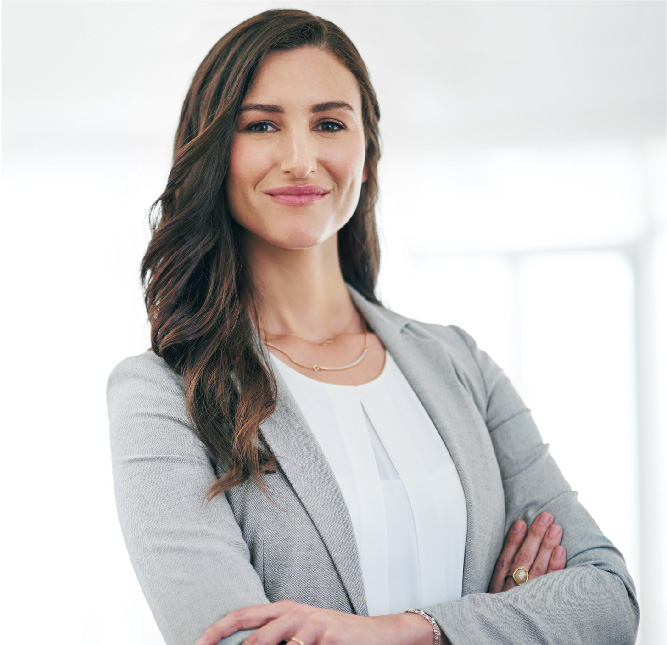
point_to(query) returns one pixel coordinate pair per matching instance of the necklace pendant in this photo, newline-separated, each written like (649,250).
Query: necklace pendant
(317,368)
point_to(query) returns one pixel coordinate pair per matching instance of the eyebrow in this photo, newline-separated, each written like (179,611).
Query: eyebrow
(276,109)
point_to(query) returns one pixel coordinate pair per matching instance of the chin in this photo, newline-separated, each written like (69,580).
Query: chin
(299,238)
(299,241)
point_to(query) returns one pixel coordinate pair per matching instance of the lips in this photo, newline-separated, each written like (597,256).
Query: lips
(306,189)
(297,195)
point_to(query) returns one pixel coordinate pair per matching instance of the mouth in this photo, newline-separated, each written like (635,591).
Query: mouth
(297,195)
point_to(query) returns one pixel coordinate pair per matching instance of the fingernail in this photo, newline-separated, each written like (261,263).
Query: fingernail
(559,551)
(543,519)
(554,530)
(518,527)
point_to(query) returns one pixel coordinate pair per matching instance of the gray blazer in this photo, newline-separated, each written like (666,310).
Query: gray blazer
(197,562)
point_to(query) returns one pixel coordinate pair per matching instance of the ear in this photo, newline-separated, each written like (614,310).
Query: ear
(364,177)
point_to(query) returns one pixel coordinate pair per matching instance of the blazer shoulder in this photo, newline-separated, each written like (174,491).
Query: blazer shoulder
(452,336)
(147,413)
(472,366)
(142,386)
(458,343)
(146,370)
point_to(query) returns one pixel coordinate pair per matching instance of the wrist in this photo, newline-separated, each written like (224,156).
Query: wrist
(423,630)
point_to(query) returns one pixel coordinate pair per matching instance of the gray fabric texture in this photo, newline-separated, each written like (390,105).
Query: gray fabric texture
(197,562)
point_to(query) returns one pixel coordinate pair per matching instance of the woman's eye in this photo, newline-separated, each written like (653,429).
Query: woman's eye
(330,126)
(261,126)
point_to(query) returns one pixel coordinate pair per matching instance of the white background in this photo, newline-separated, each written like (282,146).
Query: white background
(523,198)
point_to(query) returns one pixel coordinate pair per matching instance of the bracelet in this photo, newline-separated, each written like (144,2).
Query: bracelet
(431,620)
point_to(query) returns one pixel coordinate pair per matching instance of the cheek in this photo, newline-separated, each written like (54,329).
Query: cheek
(349,165)
(246,168)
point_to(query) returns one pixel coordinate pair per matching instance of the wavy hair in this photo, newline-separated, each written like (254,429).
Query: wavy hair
(197,289)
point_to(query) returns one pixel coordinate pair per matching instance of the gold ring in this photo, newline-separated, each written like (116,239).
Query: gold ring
(296,640)
(520,575)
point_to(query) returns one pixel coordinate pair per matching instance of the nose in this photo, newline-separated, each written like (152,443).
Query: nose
(298,154)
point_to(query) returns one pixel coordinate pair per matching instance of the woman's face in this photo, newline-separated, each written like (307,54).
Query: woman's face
(297,158)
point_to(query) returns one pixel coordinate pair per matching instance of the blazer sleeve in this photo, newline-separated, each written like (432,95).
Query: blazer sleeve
(190,557)
(593,600)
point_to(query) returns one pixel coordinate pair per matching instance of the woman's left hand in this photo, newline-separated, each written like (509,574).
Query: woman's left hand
(286,619)
(538,552)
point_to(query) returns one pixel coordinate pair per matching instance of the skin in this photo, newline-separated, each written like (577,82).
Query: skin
(297,146)
(538,551)
(292,255)
(292,251)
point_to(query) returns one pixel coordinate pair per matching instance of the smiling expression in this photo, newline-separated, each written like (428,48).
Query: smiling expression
(297,158)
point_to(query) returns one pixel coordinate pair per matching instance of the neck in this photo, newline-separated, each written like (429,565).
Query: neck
(300,292)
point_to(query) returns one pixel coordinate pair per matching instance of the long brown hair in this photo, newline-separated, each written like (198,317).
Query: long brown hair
(197,288)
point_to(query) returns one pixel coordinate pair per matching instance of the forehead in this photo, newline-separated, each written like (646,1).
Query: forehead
(307,75)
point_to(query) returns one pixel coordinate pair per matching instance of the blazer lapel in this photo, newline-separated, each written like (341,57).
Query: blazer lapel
(309,473)
(428,368)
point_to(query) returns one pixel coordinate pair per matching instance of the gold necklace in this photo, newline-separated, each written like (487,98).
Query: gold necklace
(328,341)
(318,368)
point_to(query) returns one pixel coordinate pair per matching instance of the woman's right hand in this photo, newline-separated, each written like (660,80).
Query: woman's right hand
(538,551)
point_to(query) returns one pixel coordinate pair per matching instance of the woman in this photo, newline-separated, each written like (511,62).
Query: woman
(356,464)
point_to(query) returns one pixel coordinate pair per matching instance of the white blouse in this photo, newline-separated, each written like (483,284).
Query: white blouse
(398,480)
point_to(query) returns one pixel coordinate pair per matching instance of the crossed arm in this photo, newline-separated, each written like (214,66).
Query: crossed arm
(538,550)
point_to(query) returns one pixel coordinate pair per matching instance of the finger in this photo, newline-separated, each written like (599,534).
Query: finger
(531,545)
(558,559)
(512,543)
(549,543)
(292,624)
(307,626)
(244,618)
